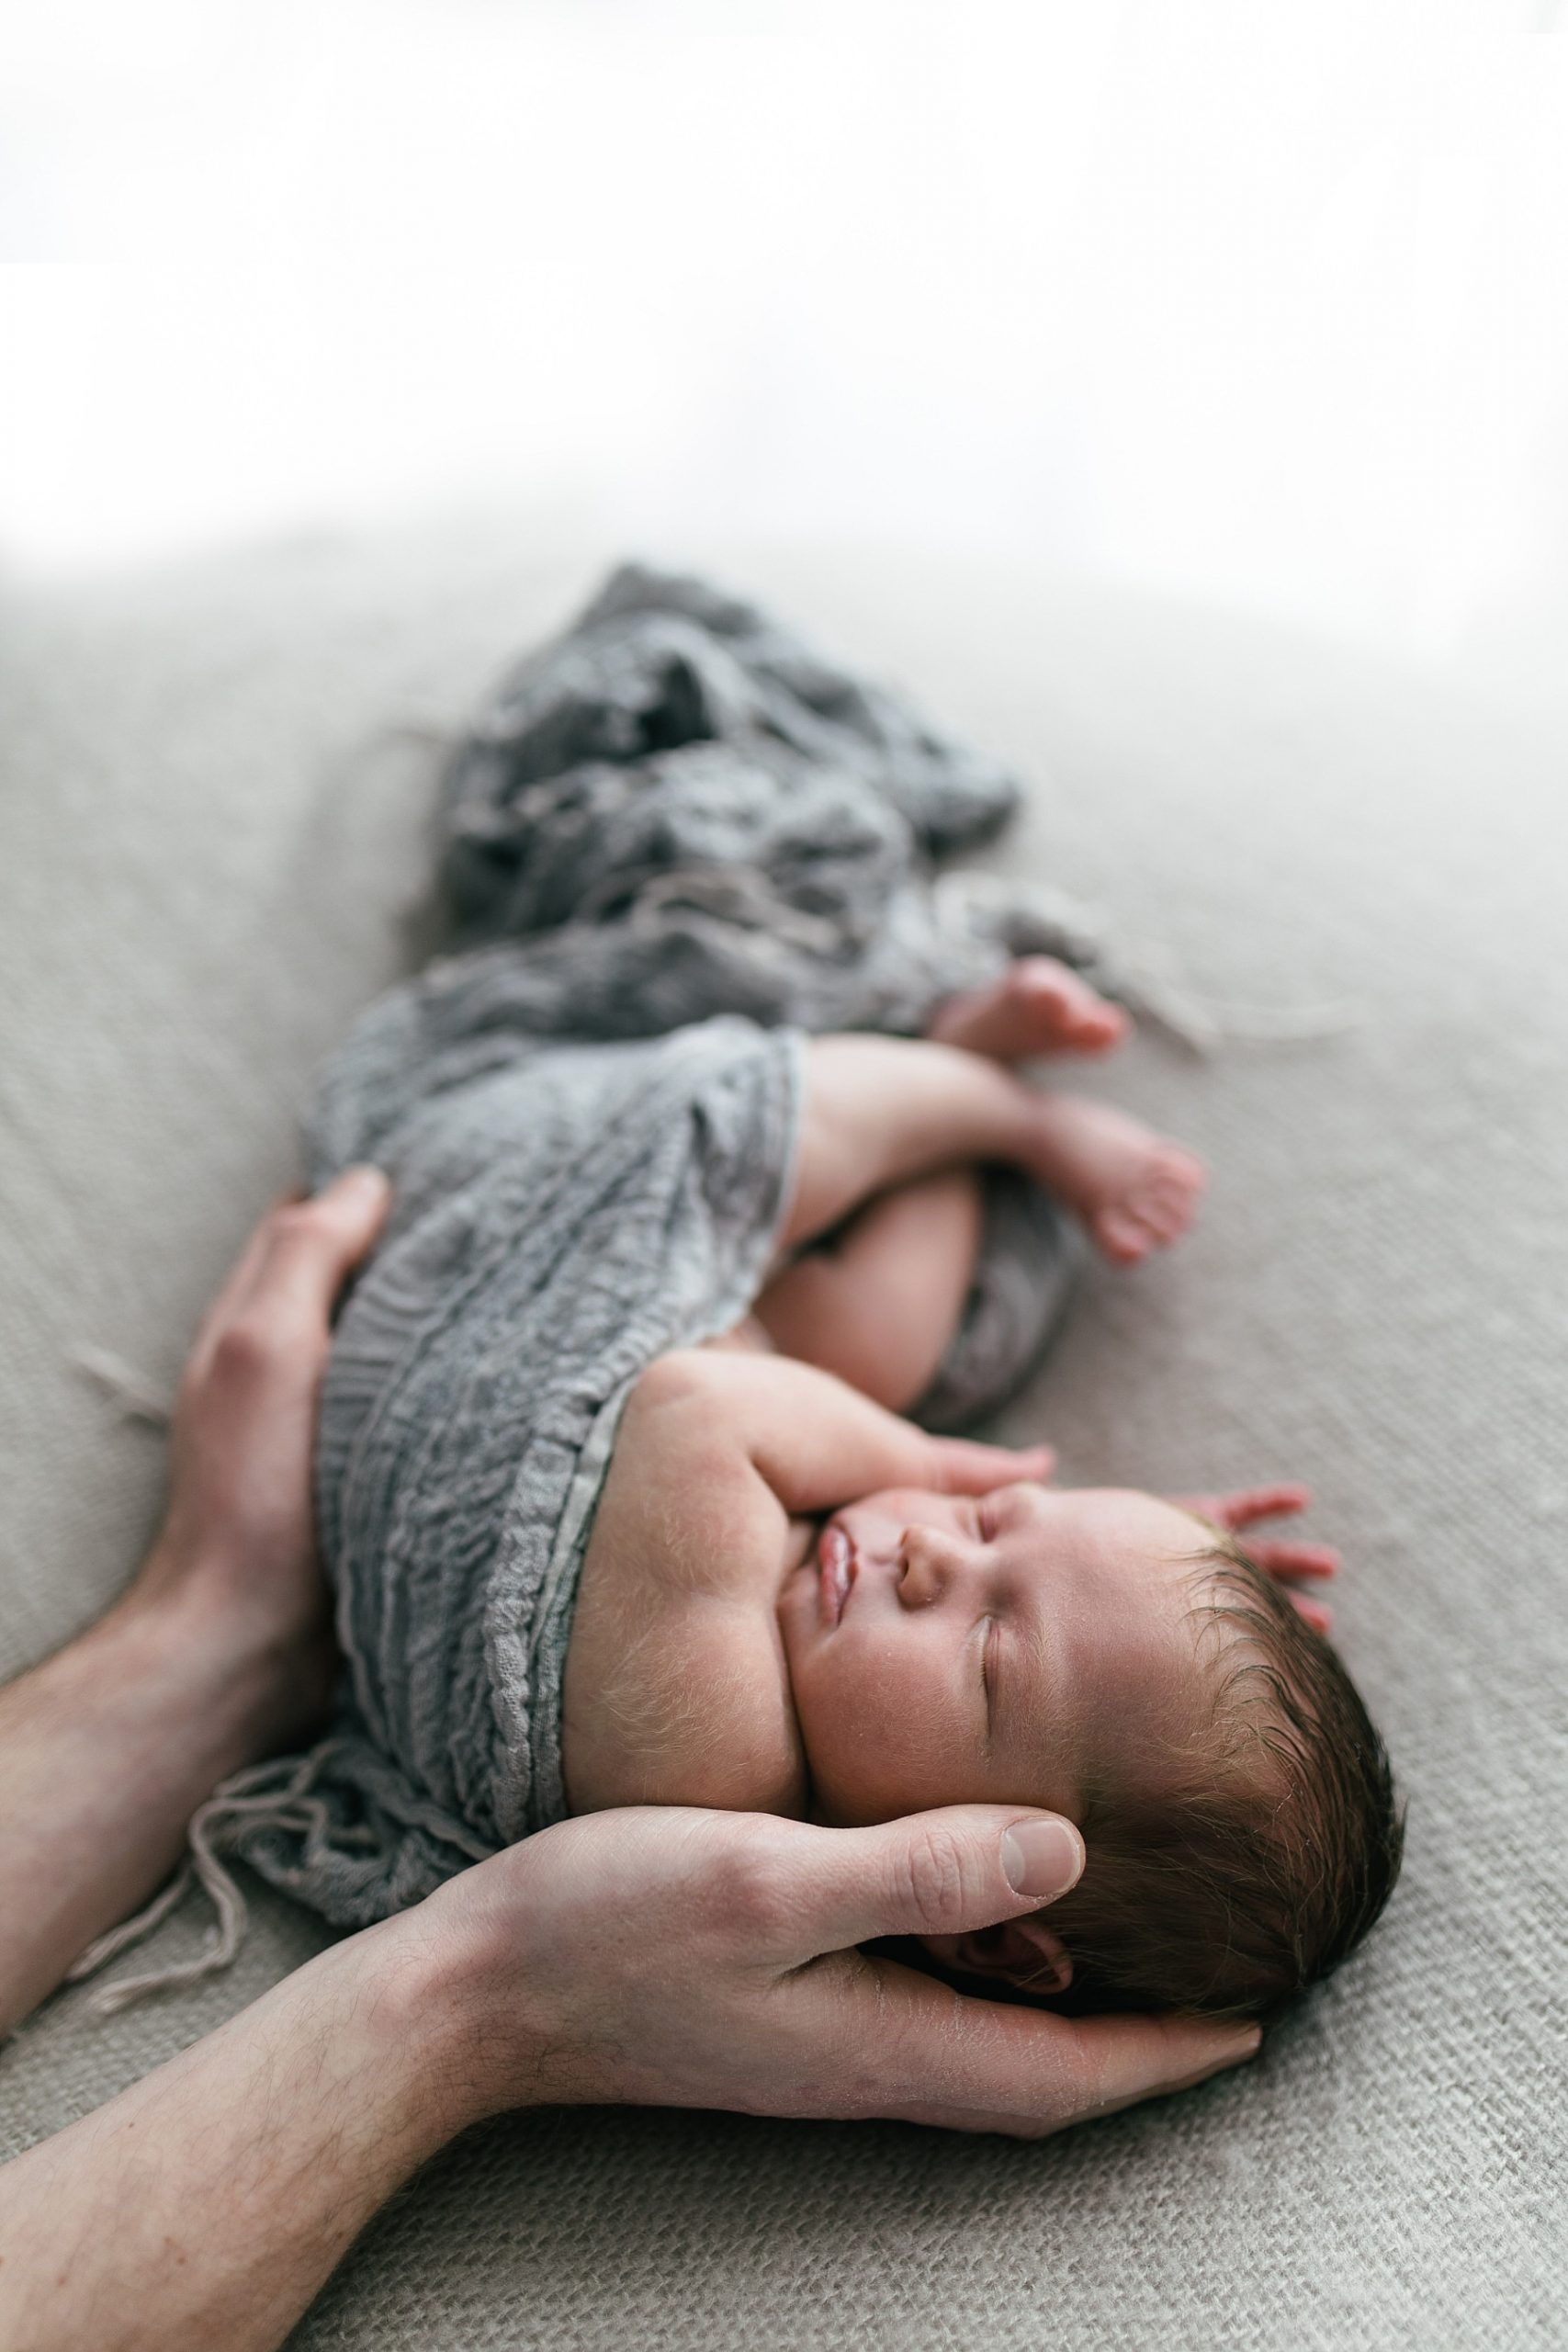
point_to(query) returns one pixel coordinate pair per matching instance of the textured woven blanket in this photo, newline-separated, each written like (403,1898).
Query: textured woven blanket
(677,840)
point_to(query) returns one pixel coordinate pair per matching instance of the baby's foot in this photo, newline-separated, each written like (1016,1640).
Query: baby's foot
(1038,1006)
(1135,1190)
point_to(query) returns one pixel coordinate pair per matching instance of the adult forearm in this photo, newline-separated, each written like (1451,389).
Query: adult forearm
(107,1749)
(205,2205)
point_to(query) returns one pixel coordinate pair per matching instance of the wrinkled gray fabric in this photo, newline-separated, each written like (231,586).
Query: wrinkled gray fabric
(677,840)
(676,728)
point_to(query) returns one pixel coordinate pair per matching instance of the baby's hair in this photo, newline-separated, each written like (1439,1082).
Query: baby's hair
(1271,1844)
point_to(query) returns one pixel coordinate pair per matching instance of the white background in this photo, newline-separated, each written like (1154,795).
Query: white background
(1263,303)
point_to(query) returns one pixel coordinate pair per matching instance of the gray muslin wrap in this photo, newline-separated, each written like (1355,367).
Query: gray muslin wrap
(676,840)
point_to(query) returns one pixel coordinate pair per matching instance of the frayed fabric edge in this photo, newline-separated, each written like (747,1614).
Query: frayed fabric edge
(246,1801)
(138,1397)
(1034,920)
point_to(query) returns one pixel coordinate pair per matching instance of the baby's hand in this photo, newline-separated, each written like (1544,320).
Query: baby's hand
(961,1465)
(1287,1559)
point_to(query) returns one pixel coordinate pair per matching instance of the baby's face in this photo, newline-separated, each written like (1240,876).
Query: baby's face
(1011,1648)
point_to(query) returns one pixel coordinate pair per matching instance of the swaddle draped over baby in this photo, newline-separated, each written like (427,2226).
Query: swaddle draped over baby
(677,840)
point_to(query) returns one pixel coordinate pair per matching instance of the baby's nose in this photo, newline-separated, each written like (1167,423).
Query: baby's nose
(932,1560)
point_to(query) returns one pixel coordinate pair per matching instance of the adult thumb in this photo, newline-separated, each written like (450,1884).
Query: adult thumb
(933,1875)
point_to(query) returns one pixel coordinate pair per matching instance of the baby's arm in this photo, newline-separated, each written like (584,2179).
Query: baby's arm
(815,1442)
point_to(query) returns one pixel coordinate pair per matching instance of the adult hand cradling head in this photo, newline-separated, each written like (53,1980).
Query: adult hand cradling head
(691,1958)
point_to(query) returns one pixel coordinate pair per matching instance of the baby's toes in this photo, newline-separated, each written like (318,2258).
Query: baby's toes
(1167,1210)
(1170,1189)
(1038,992)
(1156,1209)
(1121,1235)
(1098,1026)
(1175,1165)
(1061,1009)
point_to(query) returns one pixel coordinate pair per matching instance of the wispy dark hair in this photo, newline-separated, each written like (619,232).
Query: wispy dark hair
(1257,1860)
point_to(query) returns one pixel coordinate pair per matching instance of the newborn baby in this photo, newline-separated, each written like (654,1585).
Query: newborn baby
(709,1164)
(794,1601)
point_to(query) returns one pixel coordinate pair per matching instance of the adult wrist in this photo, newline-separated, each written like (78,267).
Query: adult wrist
(449,1983)
(256,1686)
(392,2006)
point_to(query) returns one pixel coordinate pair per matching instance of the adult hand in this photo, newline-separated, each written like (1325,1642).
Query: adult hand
(689,1959)
(221,1650)
(240,1516)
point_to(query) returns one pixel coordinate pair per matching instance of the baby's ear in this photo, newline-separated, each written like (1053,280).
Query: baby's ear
(1026,1952)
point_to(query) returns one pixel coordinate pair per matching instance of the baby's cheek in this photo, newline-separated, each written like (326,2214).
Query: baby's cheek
(890,1757)
(846,1758)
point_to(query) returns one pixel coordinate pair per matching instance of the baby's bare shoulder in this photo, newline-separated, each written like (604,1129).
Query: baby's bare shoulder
(730,1367)
(681,1415)
(713,1400)
(739,1381)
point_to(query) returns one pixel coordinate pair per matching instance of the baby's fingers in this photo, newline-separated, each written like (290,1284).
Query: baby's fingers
(1296,1559)
(1261,1502)
(1238,1510)
(963,1466)
(1319,1618)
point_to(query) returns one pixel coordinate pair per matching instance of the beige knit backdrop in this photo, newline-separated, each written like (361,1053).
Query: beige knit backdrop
(212,834)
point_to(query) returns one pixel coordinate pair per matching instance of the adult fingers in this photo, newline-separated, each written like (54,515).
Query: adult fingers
(299,1254)
(308,1248)
(967,1467)
(929,1875)
(240,1281)
(1114,2062)
(927,2054)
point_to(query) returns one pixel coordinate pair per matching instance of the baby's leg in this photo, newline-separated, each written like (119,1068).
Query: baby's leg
(878,1300)
(882,1110)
